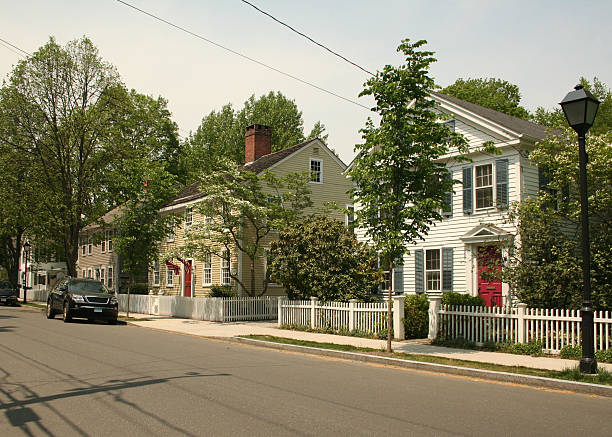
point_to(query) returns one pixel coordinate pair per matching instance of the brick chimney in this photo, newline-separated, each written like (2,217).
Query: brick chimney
(257,142)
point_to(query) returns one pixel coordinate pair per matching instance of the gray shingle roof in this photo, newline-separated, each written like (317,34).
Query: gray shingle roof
(515,124)
(192,192)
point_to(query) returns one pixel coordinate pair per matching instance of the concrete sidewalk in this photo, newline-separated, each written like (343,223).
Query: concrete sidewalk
(228,330)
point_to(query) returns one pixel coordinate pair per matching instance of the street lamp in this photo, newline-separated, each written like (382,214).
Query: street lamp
(580,108)
(26,248)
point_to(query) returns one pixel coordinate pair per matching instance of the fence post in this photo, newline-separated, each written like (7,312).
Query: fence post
(351,325)
(313,307)
(398,317)
(520,321)
(280,311)
(435,303)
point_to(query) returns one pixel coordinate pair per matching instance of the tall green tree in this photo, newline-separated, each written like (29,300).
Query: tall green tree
(221,134)
(492,93)
(399,182)
(71,116)
(318,256)
(244,209)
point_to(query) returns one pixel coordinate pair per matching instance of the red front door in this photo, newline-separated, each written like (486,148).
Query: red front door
(489,260)
(187,279)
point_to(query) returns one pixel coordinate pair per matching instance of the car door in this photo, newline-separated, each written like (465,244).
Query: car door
(57,299)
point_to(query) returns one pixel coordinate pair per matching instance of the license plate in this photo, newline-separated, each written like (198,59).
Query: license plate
(97,310)
(3,299)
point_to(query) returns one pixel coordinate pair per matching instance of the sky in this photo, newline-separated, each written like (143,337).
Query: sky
(542,46)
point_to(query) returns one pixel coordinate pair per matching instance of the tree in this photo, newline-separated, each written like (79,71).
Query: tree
(318,256)
(603,122)
(546,267)
(70,115)
(400,184)
(244,208)
(140,226)
(221,133)
(492,93)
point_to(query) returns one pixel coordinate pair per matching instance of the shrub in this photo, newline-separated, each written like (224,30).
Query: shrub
(533,348)
(222,291)
(458,342)
(570,352)
(416,316)
(454,298)
(603,356)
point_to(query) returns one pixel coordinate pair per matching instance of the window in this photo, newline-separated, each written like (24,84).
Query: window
(110,240)
(170,238)
(226,279)
(156,276)
(83,273)
(208,220)
(103,244)
(89,246)
(102,271)
(110,277)
(316,171)
(207,270)
(97,272)
(169,277)
(433,272)
(484,186)
(188,216)
(350,218)
(89,273)
(83,248)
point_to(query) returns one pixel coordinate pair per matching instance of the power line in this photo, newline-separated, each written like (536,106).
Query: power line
(308,38)
(15,47)
(242,55)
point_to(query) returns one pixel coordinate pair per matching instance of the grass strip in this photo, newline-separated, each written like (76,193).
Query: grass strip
(603,377)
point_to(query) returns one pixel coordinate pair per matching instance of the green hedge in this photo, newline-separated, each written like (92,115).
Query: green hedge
(416,316)
(137,288)
(454,298)
(222,291)
(575,353)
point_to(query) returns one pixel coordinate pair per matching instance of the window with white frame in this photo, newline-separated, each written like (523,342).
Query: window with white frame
(188,216)
(226,279)
(83,247)
(207,270)
(89,246)
(83,273)
(110,277)
(103,244)
(89,273)
(316,170)
(208,220)
(170,237)
(169,277)
(433,270)
(97,273)
(156,276)
(102,275)
(109,239)
(484,186)
(350,218)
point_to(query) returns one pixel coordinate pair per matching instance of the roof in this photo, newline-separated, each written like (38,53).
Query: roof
(192,192)
(515,124)
(107,218)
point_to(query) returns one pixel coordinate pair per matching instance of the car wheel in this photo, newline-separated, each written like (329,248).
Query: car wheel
(112,322)
(67,316)
(50,312)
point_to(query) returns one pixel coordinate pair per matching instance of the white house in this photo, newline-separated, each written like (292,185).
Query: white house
(468,239)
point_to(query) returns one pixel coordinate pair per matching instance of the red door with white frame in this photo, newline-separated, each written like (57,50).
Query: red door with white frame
(187,278)
(490,289)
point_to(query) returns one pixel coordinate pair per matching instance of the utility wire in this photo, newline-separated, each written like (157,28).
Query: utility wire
(242,55)
(308,38)
(23,52)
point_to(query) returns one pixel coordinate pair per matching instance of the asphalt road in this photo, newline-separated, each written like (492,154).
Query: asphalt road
(93,379)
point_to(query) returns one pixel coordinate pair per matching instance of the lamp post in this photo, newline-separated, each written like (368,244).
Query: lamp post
(26,248)
(580,108)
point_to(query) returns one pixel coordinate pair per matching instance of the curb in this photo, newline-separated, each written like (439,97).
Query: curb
(490,375)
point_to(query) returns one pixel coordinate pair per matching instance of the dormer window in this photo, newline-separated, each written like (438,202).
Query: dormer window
(188,216)
(316,171)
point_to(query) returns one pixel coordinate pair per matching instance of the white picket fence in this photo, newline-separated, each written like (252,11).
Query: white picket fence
(218,309)
(554,328)
(368,318)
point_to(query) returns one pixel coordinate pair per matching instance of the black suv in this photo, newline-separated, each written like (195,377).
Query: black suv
(8,293)
(84,298)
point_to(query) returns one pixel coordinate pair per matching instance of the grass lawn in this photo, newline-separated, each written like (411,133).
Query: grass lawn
(604,377)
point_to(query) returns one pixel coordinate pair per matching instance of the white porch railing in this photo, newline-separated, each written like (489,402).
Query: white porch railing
(368,318)
(554,328)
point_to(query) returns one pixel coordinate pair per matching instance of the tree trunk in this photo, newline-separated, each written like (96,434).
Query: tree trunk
(390,309)
(252,277)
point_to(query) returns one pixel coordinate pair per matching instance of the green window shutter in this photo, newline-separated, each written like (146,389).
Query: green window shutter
(468,195)
(447,269)
(447,210)
(501,181)
(398,275)
(419,271)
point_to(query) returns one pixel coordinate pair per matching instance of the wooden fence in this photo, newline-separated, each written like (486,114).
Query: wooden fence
(554,328)
(370,318)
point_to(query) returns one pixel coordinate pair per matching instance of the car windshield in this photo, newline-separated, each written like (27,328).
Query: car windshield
(87,287)
(5,284)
